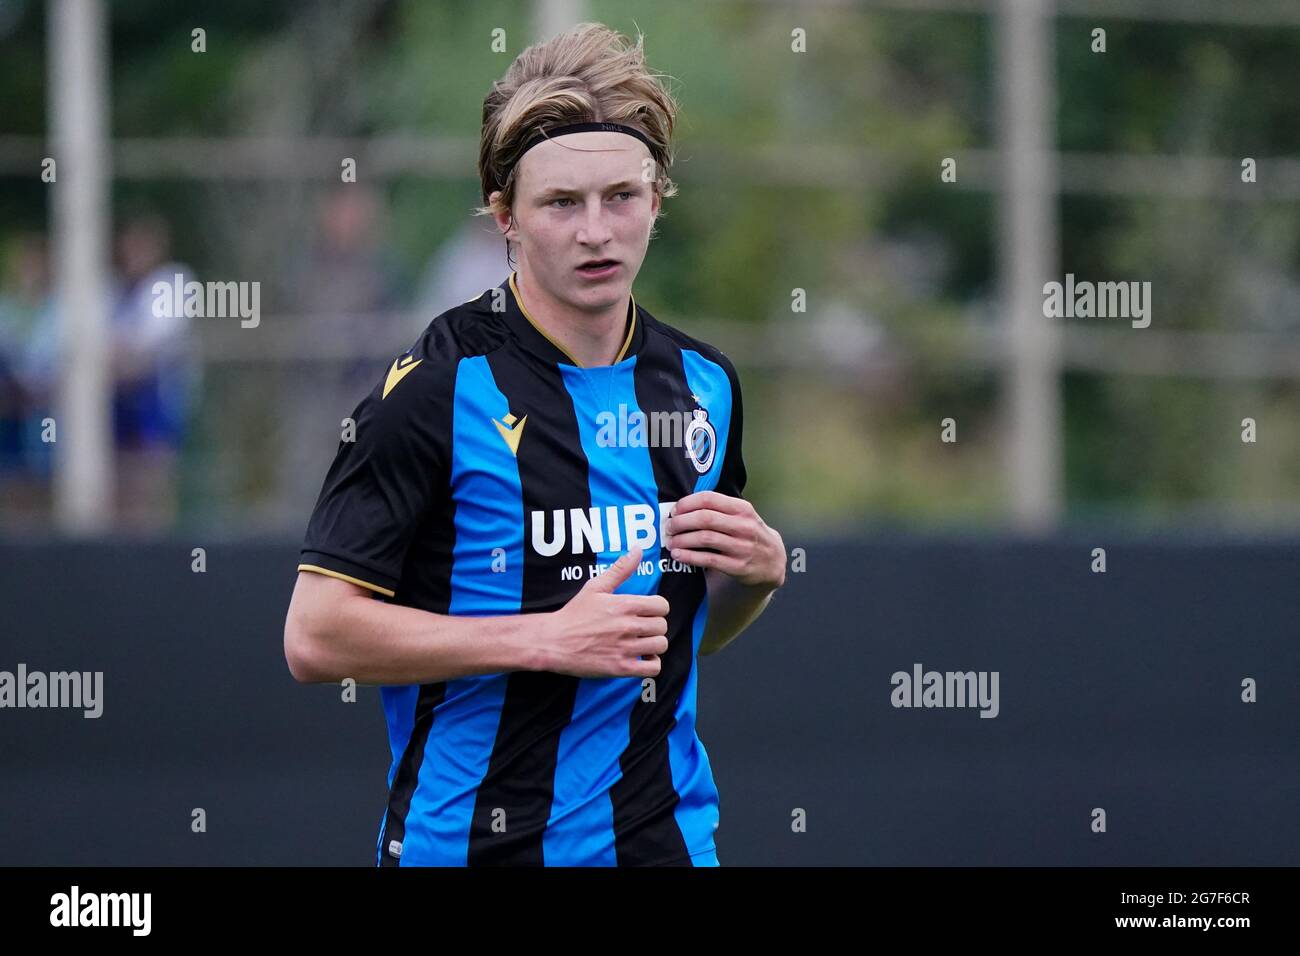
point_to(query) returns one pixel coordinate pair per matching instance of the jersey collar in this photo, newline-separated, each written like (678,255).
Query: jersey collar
(534,338)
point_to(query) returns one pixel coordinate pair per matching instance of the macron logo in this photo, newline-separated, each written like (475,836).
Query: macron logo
(402,367)
(511,432)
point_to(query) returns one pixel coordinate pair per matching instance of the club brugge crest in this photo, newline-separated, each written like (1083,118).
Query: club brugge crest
(701,441)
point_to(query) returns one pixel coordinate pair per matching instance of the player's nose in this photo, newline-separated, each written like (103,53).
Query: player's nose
(596,228)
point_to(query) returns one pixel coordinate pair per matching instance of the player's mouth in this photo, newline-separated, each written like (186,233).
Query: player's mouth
(598,268)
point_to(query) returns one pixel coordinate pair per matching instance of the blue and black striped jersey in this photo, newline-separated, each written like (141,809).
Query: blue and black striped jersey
(491,474)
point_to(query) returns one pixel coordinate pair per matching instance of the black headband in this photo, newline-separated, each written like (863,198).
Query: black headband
(544,135)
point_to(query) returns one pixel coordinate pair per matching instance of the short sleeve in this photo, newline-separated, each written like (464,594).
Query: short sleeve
(731,480)
(380,485)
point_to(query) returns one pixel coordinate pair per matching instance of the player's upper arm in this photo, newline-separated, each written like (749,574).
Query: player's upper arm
(313,606)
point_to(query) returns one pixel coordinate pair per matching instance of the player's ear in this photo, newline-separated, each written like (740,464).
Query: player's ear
(505,219)
(654,211)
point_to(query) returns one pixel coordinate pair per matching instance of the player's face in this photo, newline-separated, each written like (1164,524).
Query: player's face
(591,198)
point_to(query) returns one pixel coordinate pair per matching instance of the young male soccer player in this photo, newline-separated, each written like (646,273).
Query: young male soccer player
(551,569)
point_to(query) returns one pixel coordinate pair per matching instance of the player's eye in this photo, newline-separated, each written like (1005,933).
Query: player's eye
(626,193)
(561,199)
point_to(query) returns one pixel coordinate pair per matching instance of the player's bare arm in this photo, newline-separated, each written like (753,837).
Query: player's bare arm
(336,629)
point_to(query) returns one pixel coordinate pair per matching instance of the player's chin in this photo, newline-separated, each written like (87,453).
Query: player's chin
(603,293)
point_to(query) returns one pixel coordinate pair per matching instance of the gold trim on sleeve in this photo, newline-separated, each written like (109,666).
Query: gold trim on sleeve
(345,577)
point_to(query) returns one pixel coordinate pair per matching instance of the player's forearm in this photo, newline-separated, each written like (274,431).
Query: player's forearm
(377,643)
(732,608)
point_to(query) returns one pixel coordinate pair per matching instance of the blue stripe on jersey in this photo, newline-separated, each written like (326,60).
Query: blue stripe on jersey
(484,472)
(399,709)
(488,515)
(687,757)
(581,826)
(399,712)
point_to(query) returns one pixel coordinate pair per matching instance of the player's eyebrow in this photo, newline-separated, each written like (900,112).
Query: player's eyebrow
(557,191)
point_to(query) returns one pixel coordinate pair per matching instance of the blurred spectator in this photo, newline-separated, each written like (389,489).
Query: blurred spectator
(155,374)
(345,287)
(25,317)
(347,275)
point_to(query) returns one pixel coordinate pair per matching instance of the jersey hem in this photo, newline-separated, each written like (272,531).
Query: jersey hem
(711,850)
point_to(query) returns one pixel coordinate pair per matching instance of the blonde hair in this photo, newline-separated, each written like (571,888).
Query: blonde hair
(590,73)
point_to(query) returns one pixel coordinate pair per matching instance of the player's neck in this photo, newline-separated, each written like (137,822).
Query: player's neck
(593,339)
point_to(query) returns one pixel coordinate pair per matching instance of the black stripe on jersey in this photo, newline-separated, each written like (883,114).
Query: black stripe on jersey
(645,830)
(520,779)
